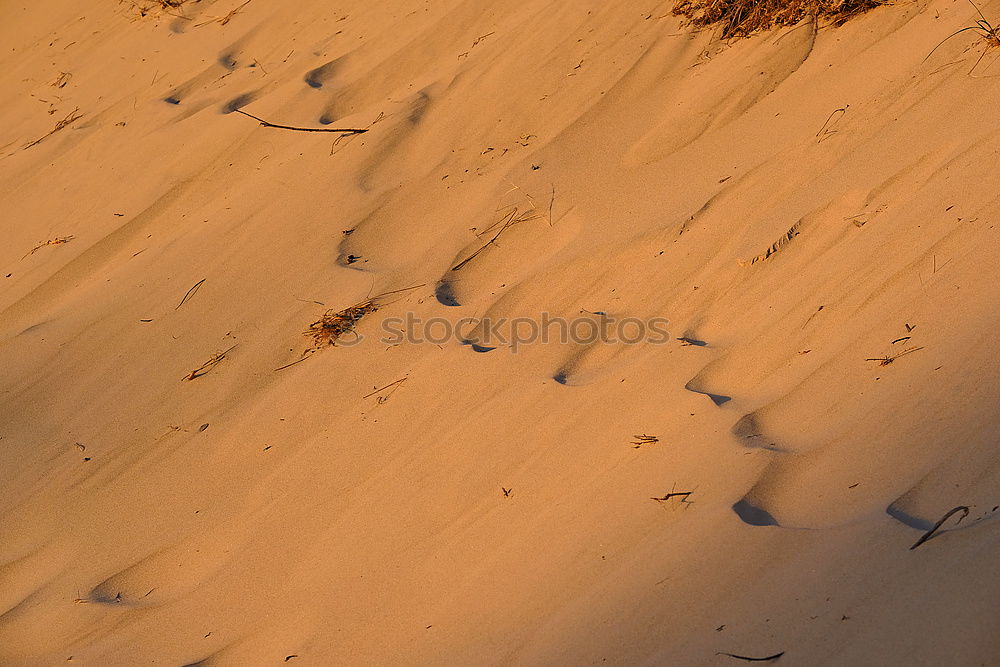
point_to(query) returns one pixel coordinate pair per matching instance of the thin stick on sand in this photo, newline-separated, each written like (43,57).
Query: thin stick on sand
(190,293)
(346,130)
(208,365)
(930,533)
(65,122)
(769,658)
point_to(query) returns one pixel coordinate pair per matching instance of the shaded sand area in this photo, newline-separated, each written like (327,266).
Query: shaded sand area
(813,210)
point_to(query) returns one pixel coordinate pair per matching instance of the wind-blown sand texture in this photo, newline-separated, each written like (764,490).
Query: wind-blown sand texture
(814,209)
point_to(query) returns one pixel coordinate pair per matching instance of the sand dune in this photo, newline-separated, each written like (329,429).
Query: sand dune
(811,209)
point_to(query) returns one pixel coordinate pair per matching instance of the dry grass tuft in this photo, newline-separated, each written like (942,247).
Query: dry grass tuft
(986,30)
(740,18)
(334,324)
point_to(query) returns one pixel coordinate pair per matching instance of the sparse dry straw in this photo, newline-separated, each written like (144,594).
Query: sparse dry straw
(334,324)
(740,18)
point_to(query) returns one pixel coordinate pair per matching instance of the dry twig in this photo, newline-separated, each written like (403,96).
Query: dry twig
(934,529)
(346,130)
(68,120)
(190,293)
(888,359)
(641,440)
(208,365)
(56,241)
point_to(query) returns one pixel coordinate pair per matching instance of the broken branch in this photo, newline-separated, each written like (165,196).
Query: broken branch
(348,130)
(930,533)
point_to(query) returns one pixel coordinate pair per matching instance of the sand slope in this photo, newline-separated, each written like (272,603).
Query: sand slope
(798,205)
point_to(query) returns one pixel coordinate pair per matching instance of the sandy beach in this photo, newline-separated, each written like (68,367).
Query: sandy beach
(497,333)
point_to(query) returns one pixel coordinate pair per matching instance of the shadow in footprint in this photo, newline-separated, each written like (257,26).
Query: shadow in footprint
(753,515)
(445,293)
(239,102)
(908,519)
(316,78)
(718,399)
(228,60)
(562,377)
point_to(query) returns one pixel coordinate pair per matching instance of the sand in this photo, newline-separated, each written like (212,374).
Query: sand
(813,210)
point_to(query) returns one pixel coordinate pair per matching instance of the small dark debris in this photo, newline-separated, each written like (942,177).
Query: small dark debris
(930,533)
(685,340)
(769,658)
(202,427)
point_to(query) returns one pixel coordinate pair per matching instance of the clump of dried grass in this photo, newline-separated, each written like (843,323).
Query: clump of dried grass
(740,18)
(334,324)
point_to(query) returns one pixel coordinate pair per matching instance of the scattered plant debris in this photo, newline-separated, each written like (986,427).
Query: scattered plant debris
(62,80)
(393,385)
(829,127)
(741,18)
(509,216)
(73,116)
(215,360)
(223,20)
(888,359)
(640,440)
(56,241)
(333,325)
(986,30)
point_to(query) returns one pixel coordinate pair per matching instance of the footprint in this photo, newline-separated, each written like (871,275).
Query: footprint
(320,76)
(971,478)
(518,242)
(753,515)
(171,573)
